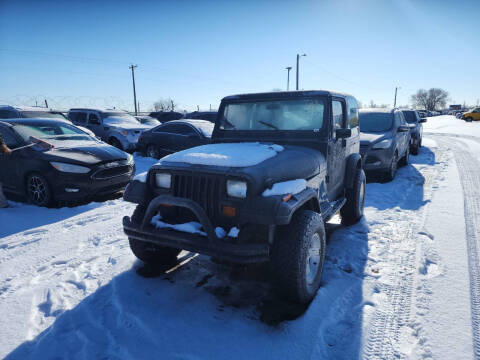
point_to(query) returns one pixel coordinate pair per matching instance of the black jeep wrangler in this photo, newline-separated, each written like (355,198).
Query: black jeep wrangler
(280,166)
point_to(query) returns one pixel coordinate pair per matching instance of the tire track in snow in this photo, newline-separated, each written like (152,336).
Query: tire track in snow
(469,168)
(391,323)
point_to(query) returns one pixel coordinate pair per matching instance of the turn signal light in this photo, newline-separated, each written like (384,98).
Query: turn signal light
(229,211)
(287,197)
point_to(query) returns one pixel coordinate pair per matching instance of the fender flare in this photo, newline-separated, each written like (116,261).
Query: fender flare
(354,162)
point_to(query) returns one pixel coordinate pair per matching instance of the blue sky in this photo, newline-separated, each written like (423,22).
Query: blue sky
(196,52)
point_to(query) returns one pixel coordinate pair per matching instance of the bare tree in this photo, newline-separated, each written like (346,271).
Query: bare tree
(372,104)
(432,99)
(165,105)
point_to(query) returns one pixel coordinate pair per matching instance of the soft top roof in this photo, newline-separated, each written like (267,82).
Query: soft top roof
(286,94)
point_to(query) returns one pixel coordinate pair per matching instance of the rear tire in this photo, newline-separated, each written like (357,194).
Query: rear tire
(298,255)
(352,211)
(468,119)
(150,253)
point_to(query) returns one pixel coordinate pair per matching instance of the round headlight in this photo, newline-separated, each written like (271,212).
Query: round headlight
(237,188)
(163,180)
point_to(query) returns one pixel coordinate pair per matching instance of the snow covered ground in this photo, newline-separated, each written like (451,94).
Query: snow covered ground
(403,283)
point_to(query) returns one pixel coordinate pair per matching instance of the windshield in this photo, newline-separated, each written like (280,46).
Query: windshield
(119,117)
(58,131)
(410,117)
(298,114)
(42,114)
(375,122)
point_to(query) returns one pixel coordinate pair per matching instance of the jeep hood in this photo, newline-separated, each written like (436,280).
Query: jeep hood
(262,164)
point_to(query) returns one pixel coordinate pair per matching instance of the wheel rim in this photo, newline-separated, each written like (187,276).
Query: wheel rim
(37,190)
(361,203)
(313,259)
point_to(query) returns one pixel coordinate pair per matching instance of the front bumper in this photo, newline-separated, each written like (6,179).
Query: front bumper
(377,160)
(211,245)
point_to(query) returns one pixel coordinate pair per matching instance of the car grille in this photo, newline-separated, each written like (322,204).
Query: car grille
(112,172)
(204,190)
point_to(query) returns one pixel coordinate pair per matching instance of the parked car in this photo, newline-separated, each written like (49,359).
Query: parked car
(416,129)
(13,112)
(203,115)
(280,166)
(423,113)
(77,168)
(117,128)
(164,116)
(384,140)
(459,114)
(147,120)
(473,114)
(174,136)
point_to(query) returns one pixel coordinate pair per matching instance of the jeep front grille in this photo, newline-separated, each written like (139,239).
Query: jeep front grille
(204,190)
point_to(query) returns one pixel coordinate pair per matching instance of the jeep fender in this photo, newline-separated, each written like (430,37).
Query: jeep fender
(137,192)
(307,198)
(354,162)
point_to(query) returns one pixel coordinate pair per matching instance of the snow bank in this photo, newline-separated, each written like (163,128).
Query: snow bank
(231,154)
(141,177)
(287,187)
(191,227)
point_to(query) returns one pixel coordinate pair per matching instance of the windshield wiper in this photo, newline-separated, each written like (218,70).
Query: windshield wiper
(268,124)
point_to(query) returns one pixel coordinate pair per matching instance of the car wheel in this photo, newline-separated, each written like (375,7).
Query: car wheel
(115,142)
(392,171)
(147,252)
(38,190)
(352,211)
(405,158)
(153,152)
(298,255)
(416,147)
(468,119)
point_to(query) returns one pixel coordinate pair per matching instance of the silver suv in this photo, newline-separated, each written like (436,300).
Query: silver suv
(116,127)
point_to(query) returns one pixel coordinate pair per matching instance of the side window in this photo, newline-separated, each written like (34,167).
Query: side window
(352,113)
(8,138)
(337,115)
(187,130)
(7,114)
(78,117)
(93,119)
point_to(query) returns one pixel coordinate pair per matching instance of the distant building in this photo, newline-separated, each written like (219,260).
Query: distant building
(455,107)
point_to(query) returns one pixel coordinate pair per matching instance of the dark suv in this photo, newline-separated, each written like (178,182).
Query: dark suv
(416,129)
(280,166)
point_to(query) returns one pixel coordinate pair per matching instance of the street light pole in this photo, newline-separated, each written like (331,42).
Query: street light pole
(288,76)
(298,61)
(395,100)
(132,67)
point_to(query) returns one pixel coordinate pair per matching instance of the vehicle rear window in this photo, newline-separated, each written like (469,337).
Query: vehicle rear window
(42,114)
(296,114)
(375,121)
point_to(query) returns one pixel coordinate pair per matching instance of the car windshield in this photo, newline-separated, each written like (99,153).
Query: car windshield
(297,114)
(410,116)
(54,130)
(119,117)
(42,114)
(375,121)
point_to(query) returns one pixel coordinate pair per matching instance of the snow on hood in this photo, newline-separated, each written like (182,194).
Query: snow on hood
(286,187)
(121,123)
(371,137)
(226,154)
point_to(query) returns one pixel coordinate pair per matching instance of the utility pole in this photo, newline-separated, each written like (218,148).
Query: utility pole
(395,100)
(132,67)
(298,61)
(288,76)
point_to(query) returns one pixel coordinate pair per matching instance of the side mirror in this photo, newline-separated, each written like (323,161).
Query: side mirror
(423,120)
(343,133)
(403,128)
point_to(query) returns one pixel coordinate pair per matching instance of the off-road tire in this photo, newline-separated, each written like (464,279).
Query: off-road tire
(38,190)
(352,211)
(405,158)
(147,252)
(290,253)
(116,143)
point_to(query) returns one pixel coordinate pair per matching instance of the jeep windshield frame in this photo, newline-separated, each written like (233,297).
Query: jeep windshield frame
(269,117)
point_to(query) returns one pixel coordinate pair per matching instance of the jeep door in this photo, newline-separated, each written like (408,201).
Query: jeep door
(94,123)
(336,149)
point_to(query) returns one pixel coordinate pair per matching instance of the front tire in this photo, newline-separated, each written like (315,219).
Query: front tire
(298,255)
(38,190)
(392,171)
(468,119)
(352,211)
(150,253)
(115,142)
(404,160)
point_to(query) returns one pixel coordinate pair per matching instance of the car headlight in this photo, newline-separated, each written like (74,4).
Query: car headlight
(384,144)
(237,188)
(70,168)
(163,180)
